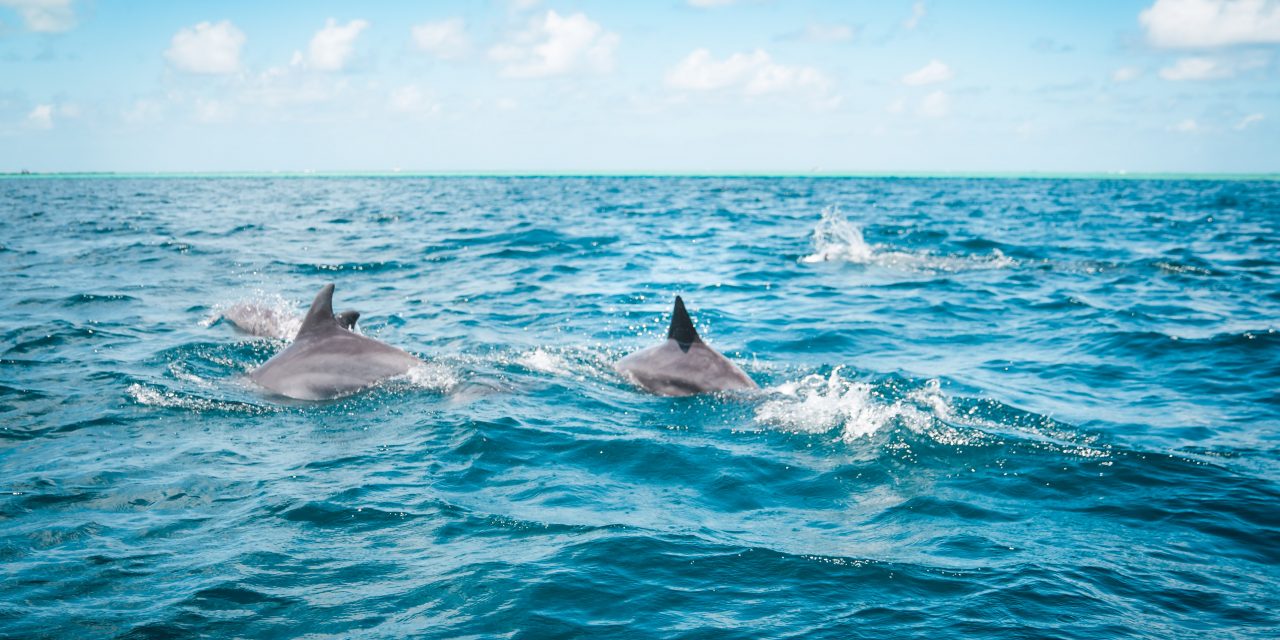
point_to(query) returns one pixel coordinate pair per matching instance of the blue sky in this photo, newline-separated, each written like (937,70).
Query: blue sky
(701,86)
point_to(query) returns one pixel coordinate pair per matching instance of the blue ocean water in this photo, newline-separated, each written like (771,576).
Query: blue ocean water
(1004,408)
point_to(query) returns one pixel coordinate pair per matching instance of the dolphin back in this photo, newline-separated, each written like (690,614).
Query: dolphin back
(326,360)
(683,365)
(670,369)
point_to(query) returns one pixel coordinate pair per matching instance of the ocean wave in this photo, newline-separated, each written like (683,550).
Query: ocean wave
(328,269)
(855,411)
(97,298)
(151,396)
(1250,345)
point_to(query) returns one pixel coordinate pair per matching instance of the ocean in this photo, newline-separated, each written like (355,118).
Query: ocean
(990,407)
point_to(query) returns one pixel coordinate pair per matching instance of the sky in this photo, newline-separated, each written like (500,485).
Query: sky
(663,86)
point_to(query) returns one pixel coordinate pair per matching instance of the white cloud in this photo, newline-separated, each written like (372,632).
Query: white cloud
(283,87)
(143,111)
(210,111)
(555,45)
(332,46)
(917,12)
(1126,74)
(704,4)
(41,117)
(753,73)
(1186,126)
(1248,121)
(931,73)
(896,107)
(47,16)
(445,39)
(934,105)
(207,48)
(1196,69)
(412,99)
(1211,23)
(827,33)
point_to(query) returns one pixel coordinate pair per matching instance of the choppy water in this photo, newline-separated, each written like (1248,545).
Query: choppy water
(1003,408)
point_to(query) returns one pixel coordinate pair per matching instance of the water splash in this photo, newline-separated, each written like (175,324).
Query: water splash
(544,361)
(578,363)
(835,239)
(264,315)
(433,376)
(153,397)
(819,404)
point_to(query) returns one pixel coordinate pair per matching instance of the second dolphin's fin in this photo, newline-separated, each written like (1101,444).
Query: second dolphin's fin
(347,319)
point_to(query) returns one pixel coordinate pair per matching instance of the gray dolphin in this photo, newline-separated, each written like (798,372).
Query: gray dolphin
(326,361)
(267,322)
(683,365)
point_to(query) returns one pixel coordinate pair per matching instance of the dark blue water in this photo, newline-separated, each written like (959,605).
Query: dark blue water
(995,408)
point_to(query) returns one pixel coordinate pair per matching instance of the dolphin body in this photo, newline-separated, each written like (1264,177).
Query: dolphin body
(683,365)
(326,360)
(266,322)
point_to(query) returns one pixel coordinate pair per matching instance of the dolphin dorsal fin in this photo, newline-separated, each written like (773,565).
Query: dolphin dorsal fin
(682,330)
(347,319)
(320,316)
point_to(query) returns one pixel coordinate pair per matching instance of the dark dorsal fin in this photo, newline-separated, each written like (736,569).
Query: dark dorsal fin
(321,314)
(347,319)
(682,330)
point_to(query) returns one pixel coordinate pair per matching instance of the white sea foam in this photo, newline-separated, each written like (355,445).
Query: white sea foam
(433,376)
(178,371)
(930,397)
(835,239)
(579,363)
(544,361)
(152,397)
(818,404)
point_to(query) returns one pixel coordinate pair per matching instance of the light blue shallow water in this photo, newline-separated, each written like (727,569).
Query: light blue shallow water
(1005,408)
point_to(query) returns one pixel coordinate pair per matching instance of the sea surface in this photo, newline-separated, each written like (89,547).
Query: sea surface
(989,407)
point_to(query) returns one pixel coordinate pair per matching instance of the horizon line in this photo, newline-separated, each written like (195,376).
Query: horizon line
(392,173)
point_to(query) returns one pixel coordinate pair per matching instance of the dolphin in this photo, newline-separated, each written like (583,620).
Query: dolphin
(683,365)
(326,360)
(267,322)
